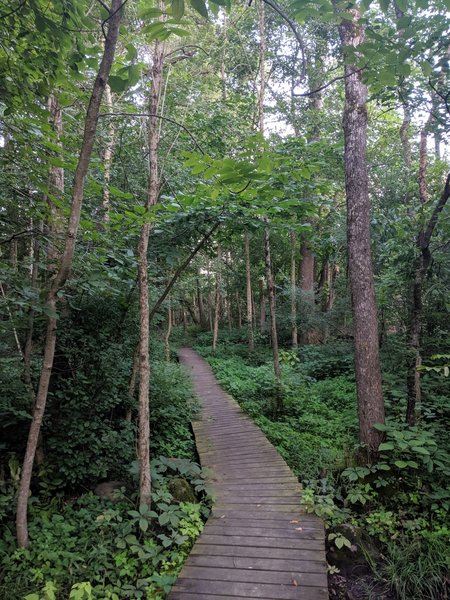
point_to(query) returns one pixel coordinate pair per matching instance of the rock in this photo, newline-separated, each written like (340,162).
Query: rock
(181,490)
(108,489)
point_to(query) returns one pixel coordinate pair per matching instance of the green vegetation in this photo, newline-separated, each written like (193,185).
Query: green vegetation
(268,181)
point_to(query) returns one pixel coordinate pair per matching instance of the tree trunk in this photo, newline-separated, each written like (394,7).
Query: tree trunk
(293,291)
(367,363)
(262,306)
(273,320)
(248,282)
(145,484)
(107,158)
(201,307)
(168,332)
(239,310)
(63,273)
(415,324)
(306,281)
(56,221)
(262,64)
(217,301)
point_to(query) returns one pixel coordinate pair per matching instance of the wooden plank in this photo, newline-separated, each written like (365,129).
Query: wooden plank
(264,564)
(256,552)
(251,575)
(261,542)
(251,590)
(283,533)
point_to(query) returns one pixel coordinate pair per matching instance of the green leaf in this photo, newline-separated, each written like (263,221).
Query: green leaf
(420,450)
(200,7)
(143,524)
(384,5)
(402,5)
(386,446)
(117,84)
(427,69)
(134,73)
(177,9)
(401,464)
(380,427)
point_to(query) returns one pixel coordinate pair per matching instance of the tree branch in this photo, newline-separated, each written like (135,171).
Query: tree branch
(181,268)
(295,31)
(126,114)
(423,240)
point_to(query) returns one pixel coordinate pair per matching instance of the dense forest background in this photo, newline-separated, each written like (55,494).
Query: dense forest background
(268,183)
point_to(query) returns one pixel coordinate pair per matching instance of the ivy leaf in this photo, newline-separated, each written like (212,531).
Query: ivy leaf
(200,7)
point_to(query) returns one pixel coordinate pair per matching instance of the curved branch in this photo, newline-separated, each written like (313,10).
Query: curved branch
(294,29)
(126,114)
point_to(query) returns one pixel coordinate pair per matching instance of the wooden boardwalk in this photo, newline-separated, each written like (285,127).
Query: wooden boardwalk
(258,542)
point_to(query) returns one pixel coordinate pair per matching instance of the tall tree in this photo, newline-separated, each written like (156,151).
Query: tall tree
(365,326)
(65,266)
(145,484)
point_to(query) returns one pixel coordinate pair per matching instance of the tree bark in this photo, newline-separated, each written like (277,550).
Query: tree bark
(415,327)
(273,320)
(168,332)
(248,283)
(367,363)
(107,158)
(90,127)
(262,306)
(56,223)
(217,300)
(293,290)
(145,484)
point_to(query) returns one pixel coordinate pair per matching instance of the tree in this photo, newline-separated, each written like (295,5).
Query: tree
(65,266)
(365,326)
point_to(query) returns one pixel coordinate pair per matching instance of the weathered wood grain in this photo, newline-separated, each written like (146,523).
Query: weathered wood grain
(258,542)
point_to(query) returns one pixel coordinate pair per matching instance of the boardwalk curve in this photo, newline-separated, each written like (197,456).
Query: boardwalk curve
(258,541)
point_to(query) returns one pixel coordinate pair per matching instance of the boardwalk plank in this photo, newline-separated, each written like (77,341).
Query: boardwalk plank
(258,542)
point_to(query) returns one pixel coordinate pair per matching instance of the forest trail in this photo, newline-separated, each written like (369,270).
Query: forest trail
(258,541)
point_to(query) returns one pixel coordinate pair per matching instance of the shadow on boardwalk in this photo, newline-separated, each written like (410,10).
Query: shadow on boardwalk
(258,542)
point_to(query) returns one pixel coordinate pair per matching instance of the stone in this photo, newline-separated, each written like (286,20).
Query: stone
(181,490)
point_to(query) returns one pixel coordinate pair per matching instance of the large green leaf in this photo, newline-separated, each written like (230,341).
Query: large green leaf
(200,7)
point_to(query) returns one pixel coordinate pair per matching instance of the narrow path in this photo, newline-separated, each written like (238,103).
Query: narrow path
(258,542)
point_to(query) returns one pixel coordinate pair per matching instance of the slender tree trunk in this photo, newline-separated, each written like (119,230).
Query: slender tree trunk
(28,348)
(168,332)
(201,306)
(65,268)
(262,306)
(145,484)
(248,282)
(217,300)
(262,63)
(56,223)
(239,310)
(422,265)
(293,290)
(107,158)
(273,320)
(132,382)
(367,363)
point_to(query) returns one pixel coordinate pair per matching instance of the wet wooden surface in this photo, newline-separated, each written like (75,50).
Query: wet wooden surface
(258,541)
